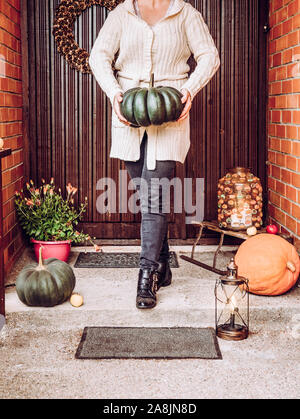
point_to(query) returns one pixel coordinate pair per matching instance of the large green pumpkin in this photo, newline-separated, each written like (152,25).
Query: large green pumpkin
(45,284)
(154,106)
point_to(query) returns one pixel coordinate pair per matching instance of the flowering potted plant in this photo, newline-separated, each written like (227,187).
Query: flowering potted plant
(49,219)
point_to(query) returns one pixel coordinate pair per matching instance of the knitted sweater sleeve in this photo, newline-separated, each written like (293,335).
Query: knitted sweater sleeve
(204,50)
(102,54)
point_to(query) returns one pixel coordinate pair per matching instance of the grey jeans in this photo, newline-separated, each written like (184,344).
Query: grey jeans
(154,225)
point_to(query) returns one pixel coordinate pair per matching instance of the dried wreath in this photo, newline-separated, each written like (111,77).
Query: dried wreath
(66,14)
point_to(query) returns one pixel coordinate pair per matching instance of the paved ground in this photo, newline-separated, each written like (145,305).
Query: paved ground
(37,346)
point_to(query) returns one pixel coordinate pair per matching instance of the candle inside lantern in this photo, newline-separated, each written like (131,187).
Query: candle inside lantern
(233,310)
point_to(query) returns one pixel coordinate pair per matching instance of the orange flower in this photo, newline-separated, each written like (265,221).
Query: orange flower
(69,188)
(97,248)
(29,202)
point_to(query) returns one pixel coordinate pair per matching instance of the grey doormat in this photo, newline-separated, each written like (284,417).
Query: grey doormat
(114,260)
(150,342)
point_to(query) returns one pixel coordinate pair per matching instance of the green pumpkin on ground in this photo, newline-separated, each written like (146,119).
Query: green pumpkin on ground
(45,284)
(154,106)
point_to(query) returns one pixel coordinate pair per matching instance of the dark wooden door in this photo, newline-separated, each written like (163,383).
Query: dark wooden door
(69,126)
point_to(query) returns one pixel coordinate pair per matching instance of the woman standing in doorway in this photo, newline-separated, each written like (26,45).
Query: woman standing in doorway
(152,36)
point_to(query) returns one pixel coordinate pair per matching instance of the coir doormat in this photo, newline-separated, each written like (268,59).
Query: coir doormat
(150,342)
(114,260)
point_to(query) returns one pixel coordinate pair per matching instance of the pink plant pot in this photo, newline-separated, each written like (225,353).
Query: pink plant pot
(59,250)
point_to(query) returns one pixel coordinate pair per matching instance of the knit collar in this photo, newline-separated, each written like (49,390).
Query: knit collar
(177,6)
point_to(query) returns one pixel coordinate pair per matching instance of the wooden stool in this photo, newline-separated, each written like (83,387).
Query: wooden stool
(213,225)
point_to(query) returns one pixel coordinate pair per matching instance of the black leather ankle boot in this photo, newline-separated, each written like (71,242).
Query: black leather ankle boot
(146,288)
(164,274)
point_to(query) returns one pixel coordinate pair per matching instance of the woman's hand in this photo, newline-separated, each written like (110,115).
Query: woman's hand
(117,100)
(186,98)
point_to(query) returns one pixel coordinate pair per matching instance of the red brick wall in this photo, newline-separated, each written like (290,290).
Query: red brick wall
(11,123)
(284,115)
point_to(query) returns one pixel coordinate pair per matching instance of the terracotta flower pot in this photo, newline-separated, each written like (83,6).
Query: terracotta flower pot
(57,249)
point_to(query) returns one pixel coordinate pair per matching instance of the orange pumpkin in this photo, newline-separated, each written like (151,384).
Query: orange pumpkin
(270,263)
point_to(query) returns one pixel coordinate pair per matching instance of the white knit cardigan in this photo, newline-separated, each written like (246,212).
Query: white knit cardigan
(164,50)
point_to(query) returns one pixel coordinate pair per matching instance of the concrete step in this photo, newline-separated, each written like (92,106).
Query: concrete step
(109,299)
(38,345)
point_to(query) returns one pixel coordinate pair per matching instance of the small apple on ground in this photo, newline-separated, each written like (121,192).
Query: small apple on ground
(272,229)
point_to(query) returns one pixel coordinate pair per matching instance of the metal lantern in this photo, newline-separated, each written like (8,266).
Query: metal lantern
(232,305)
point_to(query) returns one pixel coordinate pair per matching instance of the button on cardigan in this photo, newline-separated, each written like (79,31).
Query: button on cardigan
(164,50)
